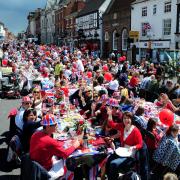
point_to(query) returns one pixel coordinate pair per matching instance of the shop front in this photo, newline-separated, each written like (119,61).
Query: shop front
(151,50)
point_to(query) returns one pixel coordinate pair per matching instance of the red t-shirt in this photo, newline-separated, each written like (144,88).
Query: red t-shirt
(133,139)
(66,90)
(152,143)
(43,148)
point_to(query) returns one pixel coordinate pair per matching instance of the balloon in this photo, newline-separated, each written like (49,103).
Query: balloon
(105,68)
(121,59)
(166,117)
(47,53)
(108,76)
(124,58)
(4,62)
(89,74)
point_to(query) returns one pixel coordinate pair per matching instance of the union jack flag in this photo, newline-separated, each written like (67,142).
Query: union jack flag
(147,26)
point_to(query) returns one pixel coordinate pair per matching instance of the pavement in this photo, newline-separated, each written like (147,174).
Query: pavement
(8,171)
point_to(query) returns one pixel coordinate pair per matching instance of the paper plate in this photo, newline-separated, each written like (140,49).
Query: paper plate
(123,152)
(63,137)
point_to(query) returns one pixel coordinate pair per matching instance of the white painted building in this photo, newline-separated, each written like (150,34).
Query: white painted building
(155,20)
(2,31)
(32,26)
(89,21)
(48,22)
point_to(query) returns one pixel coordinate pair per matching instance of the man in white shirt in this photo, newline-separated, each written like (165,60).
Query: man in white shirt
(80,65)
(26,104)
(113,85)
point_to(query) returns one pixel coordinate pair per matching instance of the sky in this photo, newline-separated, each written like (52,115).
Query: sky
(13,13)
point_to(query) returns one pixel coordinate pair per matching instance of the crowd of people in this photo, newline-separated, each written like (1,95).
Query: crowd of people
(103,92)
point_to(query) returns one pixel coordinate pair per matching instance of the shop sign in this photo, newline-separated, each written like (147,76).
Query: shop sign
(153,44)
(134,34)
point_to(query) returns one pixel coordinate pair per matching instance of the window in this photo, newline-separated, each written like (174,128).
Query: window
(154,9)
(106,37)
(115,16)
(179,22)
(115,40)
(144,29)
(124,39)
(144,11)
(166,27)
(167,7)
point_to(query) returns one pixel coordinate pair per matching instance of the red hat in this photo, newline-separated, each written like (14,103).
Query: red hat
(26,99)
(48,120)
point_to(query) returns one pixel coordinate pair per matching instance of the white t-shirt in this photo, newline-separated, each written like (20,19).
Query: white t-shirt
(67,73)
(80,66)
(114,85)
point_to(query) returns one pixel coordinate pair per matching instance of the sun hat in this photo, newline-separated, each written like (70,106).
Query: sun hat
(48,120)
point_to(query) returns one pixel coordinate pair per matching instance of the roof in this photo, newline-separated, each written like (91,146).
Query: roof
(110,6)
(91,6)
(139,1)
(115,5)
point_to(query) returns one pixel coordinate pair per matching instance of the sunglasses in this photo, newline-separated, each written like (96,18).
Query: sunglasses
(36,92)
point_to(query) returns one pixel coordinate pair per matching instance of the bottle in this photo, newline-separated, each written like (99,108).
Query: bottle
(85,139)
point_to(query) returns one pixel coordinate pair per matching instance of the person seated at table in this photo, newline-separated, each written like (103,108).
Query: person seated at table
(130,137)
(139,120)
(152,137)
(113,85)
(29,127)
(134,82)
(37,101)
(165,102)
(43,147)
(26,104)
(98,110)
(167,153)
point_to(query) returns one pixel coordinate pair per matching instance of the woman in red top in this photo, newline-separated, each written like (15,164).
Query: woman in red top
(130,137)
(152,140)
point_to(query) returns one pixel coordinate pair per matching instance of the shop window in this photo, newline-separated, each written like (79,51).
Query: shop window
(115,40)
(167,7)
(166,27)
(144,11)
(124,40)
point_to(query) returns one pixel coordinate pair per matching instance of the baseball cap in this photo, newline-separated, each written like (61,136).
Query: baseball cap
(48,120)
(26,99)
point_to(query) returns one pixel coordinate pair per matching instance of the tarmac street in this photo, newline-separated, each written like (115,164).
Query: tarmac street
(7,171)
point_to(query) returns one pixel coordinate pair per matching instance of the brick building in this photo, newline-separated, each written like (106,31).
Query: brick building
(65,21)
(116,24)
